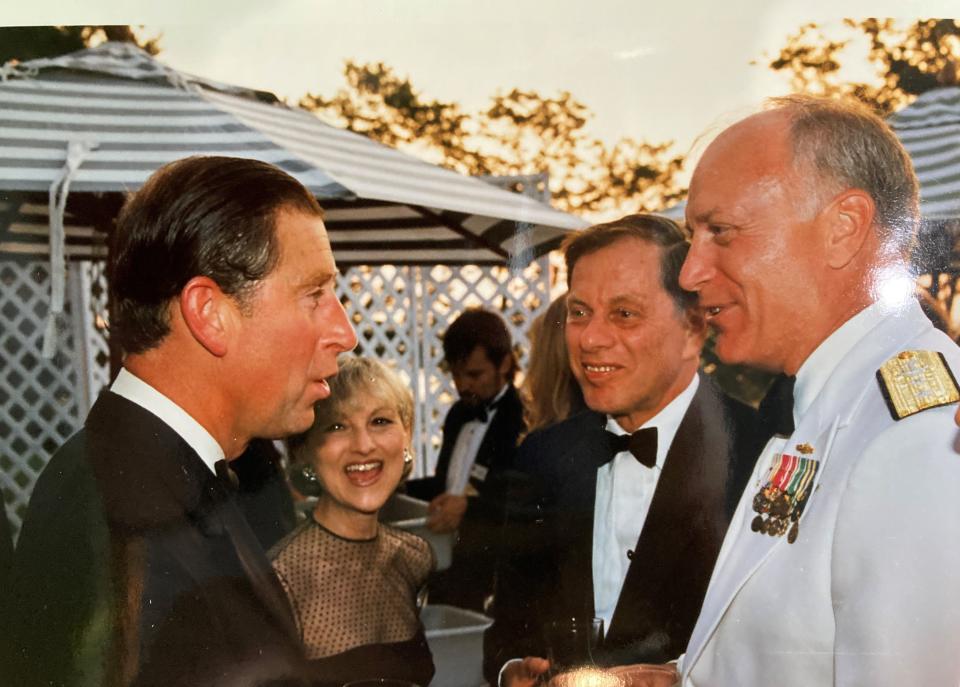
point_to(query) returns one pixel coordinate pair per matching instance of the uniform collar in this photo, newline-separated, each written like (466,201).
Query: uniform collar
(820,365)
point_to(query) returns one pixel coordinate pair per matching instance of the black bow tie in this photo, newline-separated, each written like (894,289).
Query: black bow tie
(481,411)
(776,409)
(226,475)
(642,444)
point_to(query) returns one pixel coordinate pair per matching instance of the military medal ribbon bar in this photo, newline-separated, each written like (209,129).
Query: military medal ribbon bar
(783,497)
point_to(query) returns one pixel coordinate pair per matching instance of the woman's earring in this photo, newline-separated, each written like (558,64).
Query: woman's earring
(305,480)
(407,463)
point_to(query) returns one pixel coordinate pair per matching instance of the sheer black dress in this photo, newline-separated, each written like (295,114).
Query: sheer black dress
(355,602)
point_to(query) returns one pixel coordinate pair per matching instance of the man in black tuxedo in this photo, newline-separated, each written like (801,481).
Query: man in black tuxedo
(480,435)
(625,529)
(134,564)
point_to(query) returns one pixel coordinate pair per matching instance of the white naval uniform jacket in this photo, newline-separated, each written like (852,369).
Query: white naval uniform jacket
(869,594)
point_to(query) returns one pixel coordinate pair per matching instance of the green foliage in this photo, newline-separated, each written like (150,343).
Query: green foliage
(518,133)
(905,60)
(24,43)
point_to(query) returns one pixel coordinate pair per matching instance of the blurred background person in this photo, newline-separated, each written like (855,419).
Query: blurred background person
(550,392)
(480,435)
(354,582)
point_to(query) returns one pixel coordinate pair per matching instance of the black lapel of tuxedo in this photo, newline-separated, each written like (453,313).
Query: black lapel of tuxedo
(218,516)
(576,496)
(668,559)
(254,562)
(501,436)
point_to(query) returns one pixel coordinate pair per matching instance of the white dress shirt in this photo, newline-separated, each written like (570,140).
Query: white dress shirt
(624,492)
(465,450)
(135,390)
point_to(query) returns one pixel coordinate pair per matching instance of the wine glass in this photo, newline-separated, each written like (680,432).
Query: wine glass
(572,642)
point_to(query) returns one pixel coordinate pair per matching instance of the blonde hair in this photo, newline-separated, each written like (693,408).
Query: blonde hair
(357,375)
(549,389)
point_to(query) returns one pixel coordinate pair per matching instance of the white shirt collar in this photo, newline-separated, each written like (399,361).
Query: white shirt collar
(135,390)
(819,365)
(667,421)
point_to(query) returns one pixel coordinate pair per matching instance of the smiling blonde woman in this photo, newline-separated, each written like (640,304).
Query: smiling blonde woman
(352,581)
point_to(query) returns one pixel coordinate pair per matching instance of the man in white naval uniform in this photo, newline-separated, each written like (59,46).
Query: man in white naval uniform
(841,565)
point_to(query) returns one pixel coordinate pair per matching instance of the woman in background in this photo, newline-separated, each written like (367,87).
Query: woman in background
(353,582)
(549,390)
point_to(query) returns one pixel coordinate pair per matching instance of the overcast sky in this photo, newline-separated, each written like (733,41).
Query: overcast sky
(651,70)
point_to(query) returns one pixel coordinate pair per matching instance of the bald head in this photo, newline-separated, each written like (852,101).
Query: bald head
(789,223)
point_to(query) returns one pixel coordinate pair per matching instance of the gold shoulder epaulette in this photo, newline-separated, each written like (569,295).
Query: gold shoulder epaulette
(912,381)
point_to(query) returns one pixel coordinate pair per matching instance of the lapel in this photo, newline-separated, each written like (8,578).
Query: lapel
(219,517)
(745,551)
(492,447)
(576,495)
(686,510)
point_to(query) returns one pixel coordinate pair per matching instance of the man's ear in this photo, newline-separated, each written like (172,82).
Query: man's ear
(206,311)
(850,222)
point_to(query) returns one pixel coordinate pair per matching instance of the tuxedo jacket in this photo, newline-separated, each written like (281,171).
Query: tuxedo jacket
(135,566)
(868,592)
(548,574)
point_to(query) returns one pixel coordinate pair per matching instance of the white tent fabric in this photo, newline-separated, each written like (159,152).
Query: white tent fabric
(382,206)
(930,131)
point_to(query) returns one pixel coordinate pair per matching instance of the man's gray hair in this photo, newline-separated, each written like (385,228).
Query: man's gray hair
(841,145)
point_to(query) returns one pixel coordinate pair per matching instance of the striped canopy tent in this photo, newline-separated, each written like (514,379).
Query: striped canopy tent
(79,131)
(930,131)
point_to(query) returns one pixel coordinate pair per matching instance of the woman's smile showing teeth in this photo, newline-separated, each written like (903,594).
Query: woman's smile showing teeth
(364,474)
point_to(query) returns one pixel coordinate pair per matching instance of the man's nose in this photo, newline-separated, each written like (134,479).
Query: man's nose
(344,337)
(697,269)
(595,334)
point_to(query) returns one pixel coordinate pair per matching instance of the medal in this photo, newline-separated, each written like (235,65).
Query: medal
(783,497)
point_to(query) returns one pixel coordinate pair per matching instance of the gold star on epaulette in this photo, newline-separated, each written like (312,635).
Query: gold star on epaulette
(912,381)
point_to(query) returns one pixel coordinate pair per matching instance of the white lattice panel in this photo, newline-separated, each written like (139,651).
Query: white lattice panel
(40,404)
(94,321)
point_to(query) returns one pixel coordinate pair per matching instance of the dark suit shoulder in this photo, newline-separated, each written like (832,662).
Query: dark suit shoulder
(511,405)
(544,448)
